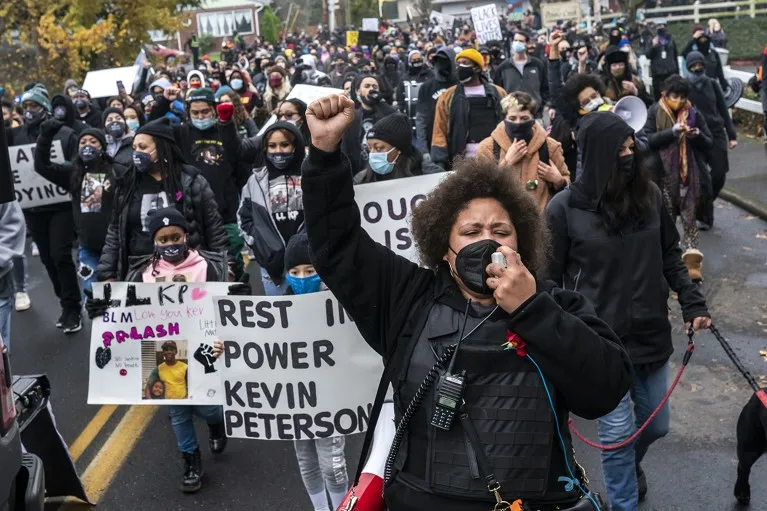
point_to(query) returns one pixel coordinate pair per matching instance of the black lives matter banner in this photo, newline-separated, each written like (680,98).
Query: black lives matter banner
(294,367)
(32,189)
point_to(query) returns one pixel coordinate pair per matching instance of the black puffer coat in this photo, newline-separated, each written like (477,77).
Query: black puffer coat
(206,230)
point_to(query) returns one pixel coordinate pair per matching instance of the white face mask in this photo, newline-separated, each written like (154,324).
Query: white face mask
(593,104)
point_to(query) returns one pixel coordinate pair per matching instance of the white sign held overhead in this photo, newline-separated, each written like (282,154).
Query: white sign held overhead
(565,11)
(103,83)
(486,23)
(370,24)
(31,188)
(445,21)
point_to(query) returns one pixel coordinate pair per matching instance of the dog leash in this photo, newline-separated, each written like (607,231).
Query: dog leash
(629,440)
(760,393)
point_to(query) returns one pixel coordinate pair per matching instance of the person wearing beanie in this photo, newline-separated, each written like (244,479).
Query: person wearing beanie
(701,42)
(63,109)
(708,99)
(524,73)
(90,178)
(159,177)
(322,461)
(619,79)
(119,138)
(467,113)
(407,91)
(85,109)
(51,224)
(208,140)
(391,152)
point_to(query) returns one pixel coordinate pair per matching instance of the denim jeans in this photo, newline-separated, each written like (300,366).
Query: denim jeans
(88,261)
(20,276)
(323,465)
(6,308)
(619,466)
(270,288)
(181,418)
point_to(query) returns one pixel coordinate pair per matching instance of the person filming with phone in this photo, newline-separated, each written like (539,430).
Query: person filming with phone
(486,360)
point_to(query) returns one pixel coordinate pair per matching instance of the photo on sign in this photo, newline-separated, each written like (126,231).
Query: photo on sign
(164,367)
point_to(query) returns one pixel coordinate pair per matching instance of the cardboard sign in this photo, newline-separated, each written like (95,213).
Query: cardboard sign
(294,368)
(31,188)
(352,37)
(386,207)
(370,24)
(103,83)
(307,94)
(565,11)
(153,346)
(486,23)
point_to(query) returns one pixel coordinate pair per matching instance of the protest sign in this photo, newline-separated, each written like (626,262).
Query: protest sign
(307,94)
(486,23)
(370,24)
(352,37)
(445,21)
(103,83)
(386,207)
(294,368)
(565,11)
(31,188)
(367,38)
(154,344)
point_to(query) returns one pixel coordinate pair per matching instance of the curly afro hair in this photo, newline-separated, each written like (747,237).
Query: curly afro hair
(472,179)
(575,85)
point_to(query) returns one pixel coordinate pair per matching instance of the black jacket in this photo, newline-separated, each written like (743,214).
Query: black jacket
(69,121)
(124,155)
(533,80)
(428,95)
(580,356)
(660,67)
(93,118)
(713,63)
(206,230)
(707,97)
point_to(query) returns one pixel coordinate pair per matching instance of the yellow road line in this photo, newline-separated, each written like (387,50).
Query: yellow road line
(105,465)
(92,430)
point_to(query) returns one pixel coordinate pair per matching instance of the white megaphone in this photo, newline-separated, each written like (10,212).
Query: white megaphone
(632,110)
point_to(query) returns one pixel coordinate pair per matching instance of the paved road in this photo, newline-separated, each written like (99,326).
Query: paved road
(692,468)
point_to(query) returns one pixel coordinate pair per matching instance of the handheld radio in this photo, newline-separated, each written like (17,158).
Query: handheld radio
(449,399)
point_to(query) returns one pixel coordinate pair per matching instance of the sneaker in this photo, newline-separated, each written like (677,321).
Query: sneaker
(73,322)
(641,484)
(217,438)
(22,301)
(35,250)
(61,320)
(192,480)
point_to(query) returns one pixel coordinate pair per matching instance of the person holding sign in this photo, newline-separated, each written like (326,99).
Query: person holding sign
(462,398)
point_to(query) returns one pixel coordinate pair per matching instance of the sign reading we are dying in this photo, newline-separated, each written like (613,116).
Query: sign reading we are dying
(31,188)
(154,344)
(294,368)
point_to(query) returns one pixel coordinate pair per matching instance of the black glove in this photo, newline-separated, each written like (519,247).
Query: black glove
(97,306)
(50,127)
(204,355)
(242,287)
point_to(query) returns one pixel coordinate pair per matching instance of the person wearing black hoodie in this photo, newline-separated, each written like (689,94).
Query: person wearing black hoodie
(64,110)
(90,179)
(429,93)
(85,109)
(208,139)
(389,79)
(702,43)
(51,225)
(407,91)
(119,138)
(158,178)
(615,243)
(272,210)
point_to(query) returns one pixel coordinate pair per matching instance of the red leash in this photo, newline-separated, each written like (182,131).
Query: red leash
(629,440)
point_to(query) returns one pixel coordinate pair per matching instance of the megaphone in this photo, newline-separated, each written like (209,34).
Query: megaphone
(632,110)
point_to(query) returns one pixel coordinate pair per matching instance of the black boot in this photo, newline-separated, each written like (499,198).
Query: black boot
(641,483)
(192,472)
(217,438)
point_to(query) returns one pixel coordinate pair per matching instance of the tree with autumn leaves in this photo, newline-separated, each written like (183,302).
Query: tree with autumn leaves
(50,41)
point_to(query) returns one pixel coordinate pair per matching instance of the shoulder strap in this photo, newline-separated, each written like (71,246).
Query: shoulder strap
(543,152)
(496,151)
(393,362)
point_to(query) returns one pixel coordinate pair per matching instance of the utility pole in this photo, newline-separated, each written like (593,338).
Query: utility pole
(347,12)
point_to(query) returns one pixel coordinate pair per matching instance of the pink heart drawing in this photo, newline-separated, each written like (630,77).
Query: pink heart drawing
(198,294)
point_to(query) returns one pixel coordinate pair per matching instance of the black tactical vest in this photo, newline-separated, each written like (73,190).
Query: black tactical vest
(505,400)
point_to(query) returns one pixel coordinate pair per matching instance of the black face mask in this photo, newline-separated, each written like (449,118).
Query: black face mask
(470,264)
(442,69)
(520,130)
(372,99)
(465,73)
(703,44)
(280,161)
(115,129)
(626,165)
(34,118)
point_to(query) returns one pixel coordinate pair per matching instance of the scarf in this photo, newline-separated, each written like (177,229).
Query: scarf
(678,156)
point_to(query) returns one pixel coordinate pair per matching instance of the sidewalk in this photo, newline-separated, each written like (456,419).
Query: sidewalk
(746,185)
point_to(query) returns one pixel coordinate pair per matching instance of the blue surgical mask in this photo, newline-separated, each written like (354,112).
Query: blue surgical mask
(236,84)
(518,47)
(303,285)
(203,124)
(380,164)
(132,124)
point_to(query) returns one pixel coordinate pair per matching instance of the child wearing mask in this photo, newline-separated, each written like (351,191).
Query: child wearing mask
(321,461)
(174,261)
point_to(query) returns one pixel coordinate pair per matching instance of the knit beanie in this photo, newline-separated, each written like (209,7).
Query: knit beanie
(111,110)
(695,57)
(39,96)
(297,251)
(473,55)
(395,130)
(224,89)
(165,217)
(95,133)
(160,128)
(202,94)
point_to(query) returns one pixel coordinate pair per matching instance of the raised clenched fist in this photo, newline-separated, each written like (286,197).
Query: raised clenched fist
(328,118)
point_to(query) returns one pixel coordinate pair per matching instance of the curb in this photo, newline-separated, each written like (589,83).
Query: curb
(753,207)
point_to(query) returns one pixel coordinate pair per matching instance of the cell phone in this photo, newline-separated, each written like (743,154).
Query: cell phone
(120,87)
